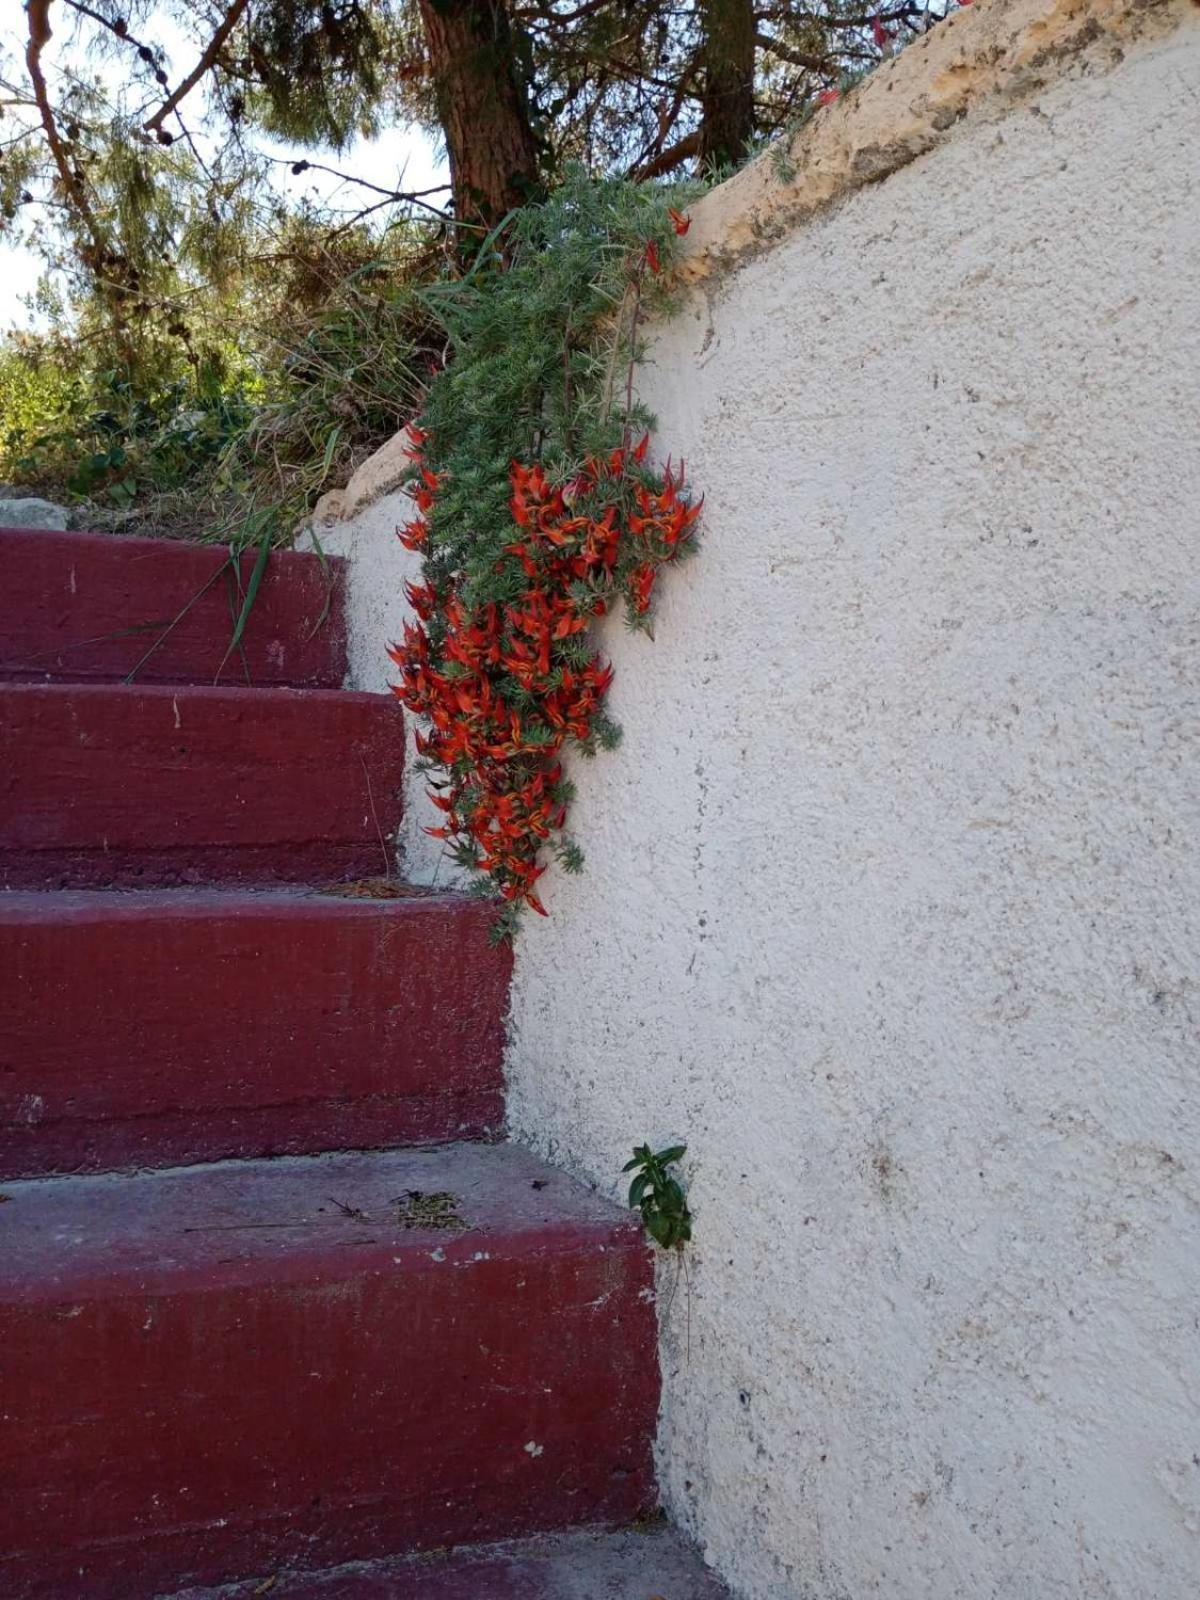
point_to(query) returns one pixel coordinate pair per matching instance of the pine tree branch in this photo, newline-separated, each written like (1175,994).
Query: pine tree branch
(120,30)
(117,29)
(667,160)
(667,121)
(904,12)
(40,34)
(215,45)
(411,197)
(795,58)
(559,19)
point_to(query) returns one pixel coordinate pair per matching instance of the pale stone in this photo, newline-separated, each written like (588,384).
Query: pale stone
(378,475)
(330,507)
(33,513)
(978,64)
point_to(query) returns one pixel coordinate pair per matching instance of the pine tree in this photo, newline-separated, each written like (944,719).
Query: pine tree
(482,107)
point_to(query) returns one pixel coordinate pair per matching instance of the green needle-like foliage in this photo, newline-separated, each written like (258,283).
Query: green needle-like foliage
(540,334)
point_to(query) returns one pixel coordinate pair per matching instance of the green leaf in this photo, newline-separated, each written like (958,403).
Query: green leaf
(660,1228)
(252,588)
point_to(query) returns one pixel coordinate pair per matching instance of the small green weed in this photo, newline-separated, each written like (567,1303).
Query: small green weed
(659,1196)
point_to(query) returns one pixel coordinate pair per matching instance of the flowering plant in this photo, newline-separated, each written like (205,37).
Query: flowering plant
(505,684)
(498,661)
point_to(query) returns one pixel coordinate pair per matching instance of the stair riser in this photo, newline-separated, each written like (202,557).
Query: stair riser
(231,1428)
(95,606)
(161,1030)
(109,785)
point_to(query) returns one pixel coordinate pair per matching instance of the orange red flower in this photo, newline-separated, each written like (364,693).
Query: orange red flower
(503,686)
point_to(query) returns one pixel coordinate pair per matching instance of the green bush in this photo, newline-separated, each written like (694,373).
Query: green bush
(91,435)
(302,378)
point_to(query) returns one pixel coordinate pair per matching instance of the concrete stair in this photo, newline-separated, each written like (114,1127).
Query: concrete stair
(95,607)
(338,1023)
(313,1359)
(272,1300)
(641,1563)
(112,784)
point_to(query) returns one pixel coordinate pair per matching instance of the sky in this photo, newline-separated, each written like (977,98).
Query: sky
(399,157)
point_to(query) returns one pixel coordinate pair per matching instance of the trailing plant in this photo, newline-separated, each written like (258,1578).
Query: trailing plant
(659,1196)
(538,511)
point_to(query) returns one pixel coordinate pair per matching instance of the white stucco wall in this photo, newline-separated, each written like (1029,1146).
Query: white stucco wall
(378,566)
(892,907)
(892,904)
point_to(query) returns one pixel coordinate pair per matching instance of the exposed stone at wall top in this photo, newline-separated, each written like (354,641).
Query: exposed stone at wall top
(979,63)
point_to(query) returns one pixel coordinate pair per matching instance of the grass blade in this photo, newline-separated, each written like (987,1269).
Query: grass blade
(256,578)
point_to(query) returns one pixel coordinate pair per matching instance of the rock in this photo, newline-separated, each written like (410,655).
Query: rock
(329,508)
(32,513)
(378,475)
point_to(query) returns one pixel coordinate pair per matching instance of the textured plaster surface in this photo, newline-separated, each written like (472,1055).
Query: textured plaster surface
(378,566)
(892,905)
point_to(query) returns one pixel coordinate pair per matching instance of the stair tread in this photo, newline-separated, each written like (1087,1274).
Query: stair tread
(104,1233)
(584,1564)
(376,897)
(258,1362)
(248,693)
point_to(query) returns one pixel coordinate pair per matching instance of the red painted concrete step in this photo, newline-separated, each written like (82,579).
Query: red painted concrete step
(108,784)
(216,1372)
(585,1564)
(162,1027)
(92,605)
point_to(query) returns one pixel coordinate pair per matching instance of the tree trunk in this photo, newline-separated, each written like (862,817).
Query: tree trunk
(727,103)
(482,107)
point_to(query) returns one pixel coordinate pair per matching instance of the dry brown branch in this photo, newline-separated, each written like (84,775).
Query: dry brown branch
(228,23)
(670,158)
